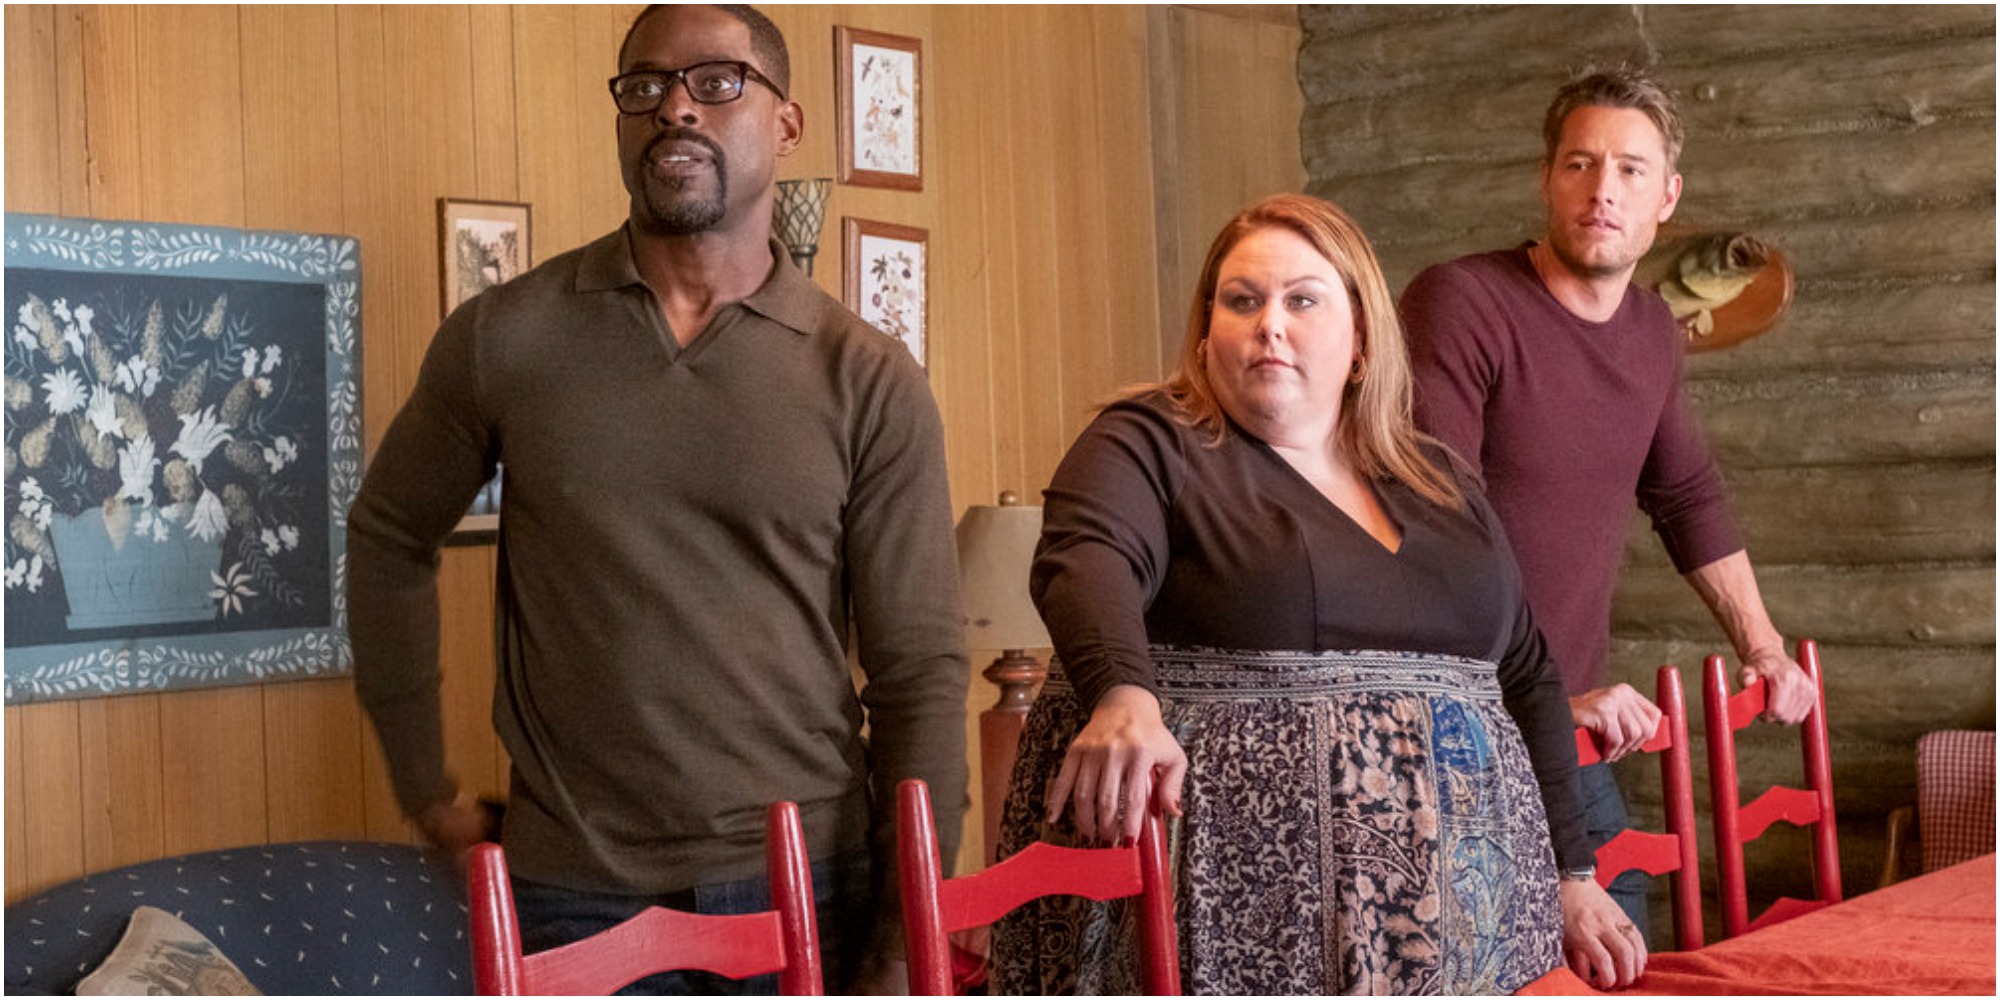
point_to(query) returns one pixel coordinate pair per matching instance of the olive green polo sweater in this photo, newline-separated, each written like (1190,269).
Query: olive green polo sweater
(689,538)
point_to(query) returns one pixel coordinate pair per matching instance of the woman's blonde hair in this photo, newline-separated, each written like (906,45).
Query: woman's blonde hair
(1376,431)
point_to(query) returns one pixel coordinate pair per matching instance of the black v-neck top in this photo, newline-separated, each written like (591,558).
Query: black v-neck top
(1153,535)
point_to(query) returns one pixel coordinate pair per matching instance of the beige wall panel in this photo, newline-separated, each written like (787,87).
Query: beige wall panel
(491,40)
(961,259)
(14,850)
(190,115)
(312,753)
(600,188)
(465,587)
(212,747)
(367,168)
(291,94)
(431,146)
(1079,335)
(114,162)
(124,819)
(545,92)
(34,157)
(1132,317)
(51,798)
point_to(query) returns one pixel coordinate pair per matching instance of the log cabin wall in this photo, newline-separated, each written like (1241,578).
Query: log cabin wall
(1857,437)
(1039,195)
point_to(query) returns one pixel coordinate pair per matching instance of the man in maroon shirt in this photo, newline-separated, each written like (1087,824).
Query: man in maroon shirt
(1560,381)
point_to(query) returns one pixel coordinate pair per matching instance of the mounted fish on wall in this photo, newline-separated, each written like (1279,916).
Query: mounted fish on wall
(1723,287)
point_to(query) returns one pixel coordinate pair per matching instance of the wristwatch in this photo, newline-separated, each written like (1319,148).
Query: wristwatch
(1584,873)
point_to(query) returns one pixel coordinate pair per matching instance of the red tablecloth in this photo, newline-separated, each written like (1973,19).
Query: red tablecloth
(1929,935)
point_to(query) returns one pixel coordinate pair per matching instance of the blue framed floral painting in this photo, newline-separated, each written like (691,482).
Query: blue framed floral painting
(183,443)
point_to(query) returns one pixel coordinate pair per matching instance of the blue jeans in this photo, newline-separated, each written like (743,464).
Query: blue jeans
(843,901)
(1604,818)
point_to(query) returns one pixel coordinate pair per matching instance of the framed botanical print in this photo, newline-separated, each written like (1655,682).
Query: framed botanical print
(183,446)
(480,244)
(878,96)
(886,272)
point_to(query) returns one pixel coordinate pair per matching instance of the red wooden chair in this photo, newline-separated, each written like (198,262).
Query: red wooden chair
(784,940)
(1674,851)
(934,907)
(1737,824)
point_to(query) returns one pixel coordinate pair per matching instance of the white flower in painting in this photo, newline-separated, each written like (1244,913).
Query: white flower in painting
(201,433)
(103,413)
(26,338)
(249,362)
(270,540)
(25,571)
(281,453)
(273,357)
(152,525)
(35,505)
(84,314)
(232,589)
(209,520)
(66,394)
(288,535)
(135,376)
(61,309)
(135,470)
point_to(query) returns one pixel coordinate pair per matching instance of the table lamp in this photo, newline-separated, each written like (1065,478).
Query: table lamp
(996,546)
(797,215)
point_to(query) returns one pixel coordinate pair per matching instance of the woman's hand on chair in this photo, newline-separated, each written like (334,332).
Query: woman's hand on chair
(1604,949)
(1123,756)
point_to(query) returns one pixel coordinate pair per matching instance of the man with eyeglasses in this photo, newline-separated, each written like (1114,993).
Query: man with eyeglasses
(715,475)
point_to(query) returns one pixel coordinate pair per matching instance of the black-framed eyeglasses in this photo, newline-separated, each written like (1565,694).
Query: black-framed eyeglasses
(641,91)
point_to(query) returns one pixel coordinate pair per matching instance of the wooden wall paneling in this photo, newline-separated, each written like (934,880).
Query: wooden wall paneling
(122,780)
(34,152)
(1029,371)
(214,775)
(465,592)
(600,186)
(1081,330)
(312,760)
(291,95)
(1133,327)
(545,90)
(51,801)
(1009,306)
(962,258)
(367,184)
(431,155)
(189,115)
(495,153)
(111,159)
(14,849)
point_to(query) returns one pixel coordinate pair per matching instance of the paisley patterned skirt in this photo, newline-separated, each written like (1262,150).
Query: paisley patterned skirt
(1356,822)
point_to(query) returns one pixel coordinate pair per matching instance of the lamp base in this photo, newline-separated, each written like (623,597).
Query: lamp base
(1019,677)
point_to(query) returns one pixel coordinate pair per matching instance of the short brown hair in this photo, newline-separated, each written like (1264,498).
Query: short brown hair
(1619,87)
(767,43)
(1376,431)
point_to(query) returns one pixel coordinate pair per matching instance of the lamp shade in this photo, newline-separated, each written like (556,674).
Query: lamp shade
(996,545)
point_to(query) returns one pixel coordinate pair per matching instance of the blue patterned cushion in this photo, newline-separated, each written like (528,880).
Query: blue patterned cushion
(323,917)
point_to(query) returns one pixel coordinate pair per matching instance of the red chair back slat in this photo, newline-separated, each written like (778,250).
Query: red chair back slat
(1674,851)
(934,907)
(1737,824)
(784,939)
